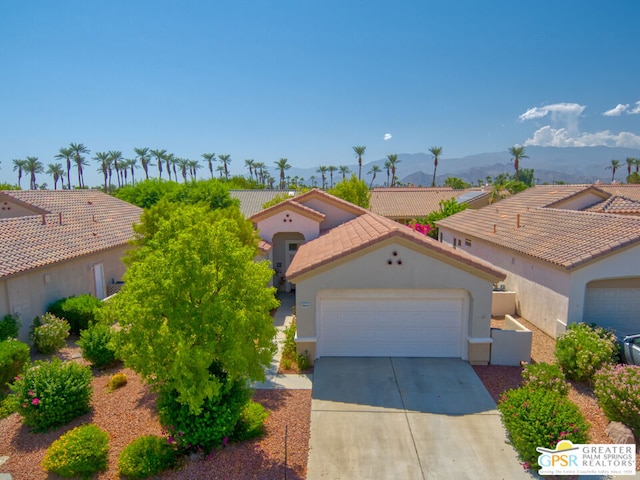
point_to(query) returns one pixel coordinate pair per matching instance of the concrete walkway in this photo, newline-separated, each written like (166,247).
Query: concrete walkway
(274,380)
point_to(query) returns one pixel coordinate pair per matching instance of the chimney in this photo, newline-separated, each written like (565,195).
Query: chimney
(60,218)
(494,228)
(518,221)
(44,219)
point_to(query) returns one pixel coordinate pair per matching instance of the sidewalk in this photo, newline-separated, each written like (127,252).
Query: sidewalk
(282,320)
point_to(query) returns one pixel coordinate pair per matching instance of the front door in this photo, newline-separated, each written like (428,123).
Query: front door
(290,250)
(98,272)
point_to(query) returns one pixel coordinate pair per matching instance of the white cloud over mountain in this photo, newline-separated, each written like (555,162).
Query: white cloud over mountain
(564,132)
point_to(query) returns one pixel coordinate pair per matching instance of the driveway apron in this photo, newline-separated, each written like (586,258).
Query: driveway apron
(405,418)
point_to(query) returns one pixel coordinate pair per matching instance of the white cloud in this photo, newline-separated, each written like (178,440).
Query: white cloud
(562,137)
(635,110)
(387,136)
(616,111)
(558,111)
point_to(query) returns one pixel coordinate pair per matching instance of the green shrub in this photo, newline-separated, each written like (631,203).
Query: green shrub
(583,349)
(49,333)
(545,376)
(117,381)
(251,422)
(9,327)
(78,311)
(50,394)
(540,418)
(289,348)
(216,421)
(80,452)
(7,406)
(95,345)
(618,390)
(146,456)
(13,357)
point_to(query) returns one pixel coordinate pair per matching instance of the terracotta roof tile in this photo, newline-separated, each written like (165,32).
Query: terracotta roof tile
(567,238)
(617,204)
(251,201)
(291,204)
(410,202)
(369,229)
(91,221)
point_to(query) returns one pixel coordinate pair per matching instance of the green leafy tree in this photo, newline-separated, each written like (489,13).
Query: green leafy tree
(456,183)
(353,190)
(446,209)
(517,152)
(359,151)
(195,303)
(435,151)
(634,178)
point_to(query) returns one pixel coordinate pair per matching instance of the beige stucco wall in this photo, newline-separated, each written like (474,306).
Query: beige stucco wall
(288,221)
(370,269)
(29,293)
(334,216)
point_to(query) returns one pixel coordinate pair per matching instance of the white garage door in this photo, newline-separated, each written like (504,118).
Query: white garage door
(617,308)
(394,323)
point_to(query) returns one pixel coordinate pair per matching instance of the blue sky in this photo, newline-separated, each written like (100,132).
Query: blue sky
(307,80)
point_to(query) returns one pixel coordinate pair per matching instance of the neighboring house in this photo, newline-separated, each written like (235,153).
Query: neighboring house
(59,243)
(252,201)
(571,252)
(368,286)
(406,204)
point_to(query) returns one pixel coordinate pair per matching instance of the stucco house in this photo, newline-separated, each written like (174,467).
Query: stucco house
(368,286)
(571,252)
(57,244)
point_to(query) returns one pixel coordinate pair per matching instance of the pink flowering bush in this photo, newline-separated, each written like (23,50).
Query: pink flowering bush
(540,418)
(545,376)
(50,394)
(49,333)
(618,390)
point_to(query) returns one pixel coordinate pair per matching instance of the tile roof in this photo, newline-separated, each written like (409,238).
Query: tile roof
(630,191)
(251,201)
(412,202)
(617,204)
(288,204)
(567,238)
(317,194)
(369,229)
(79,222)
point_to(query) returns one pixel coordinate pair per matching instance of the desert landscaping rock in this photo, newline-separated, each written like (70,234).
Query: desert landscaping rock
(619,433)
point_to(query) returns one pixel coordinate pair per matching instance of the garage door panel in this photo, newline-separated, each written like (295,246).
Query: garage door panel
(401,323)
(615,308)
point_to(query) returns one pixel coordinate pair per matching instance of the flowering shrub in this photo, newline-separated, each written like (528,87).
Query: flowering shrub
(540,418)
(146,456)
(117,381)
(9,327)
(79,311)
(583,349)
(50,394)
(420,228)
(95,344)
(618,390)
(49,333)
(251,422)
(13,356)
(80,452)
(545,376)
(204,430)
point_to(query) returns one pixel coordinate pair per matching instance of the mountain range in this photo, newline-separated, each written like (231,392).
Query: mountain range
(551,164)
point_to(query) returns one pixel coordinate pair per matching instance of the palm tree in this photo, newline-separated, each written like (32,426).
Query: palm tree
(613,167)
(226,160)
(133,164)
(312,179)
(169,161)
(331,169)
(209,157)
(282,165)
(374,169)
(104,159)
(387,167)
(636,162)
(78,149)
(359,152)
(344,170)
(517,152)
(194,165)
(143,155)
(183,163)
(57,172)
(33,166)
(116,158)
(258,168)
(220,170)
(322,170)
(435,151)
(159,154)
(19,165)
(393,161)
(250,164)
(630,163)
(66,153)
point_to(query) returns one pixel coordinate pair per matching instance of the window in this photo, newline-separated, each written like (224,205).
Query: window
(467,242)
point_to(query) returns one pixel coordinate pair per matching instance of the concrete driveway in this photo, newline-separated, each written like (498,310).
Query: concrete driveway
(408,418)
